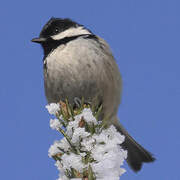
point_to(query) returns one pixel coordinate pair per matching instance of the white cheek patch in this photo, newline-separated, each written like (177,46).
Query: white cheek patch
(70,32)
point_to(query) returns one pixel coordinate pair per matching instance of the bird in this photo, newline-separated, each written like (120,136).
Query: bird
(77,63)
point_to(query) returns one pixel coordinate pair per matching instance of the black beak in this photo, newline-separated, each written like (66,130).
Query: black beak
(39,40)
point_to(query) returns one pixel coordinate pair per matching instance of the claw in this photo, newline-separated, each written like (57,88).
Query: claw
(77,102)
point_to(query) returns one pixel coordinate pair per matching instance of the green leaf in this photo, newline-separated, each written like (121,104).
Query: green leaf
(90,173)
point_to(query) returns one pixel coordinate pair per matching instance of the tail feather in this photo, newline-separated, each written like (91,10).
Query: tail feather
(137,155)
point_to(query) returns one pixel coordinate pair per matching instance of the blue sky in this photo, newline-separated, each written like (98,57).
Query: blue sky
(145,39)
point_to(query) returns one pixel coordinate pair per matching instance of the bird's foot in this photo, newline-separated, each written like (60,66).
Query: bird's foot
(79,102)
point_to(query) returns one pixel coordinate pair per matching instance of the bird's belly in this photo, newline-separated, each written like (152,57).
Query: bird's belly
(87,73)
(65,83)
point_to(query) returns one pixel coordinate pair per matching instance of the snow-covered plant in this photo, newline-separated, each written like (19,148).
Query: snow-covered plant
(90,149)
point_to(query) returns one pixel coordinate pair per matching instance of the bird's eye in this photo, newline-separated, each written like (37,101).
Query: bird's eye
(56,30)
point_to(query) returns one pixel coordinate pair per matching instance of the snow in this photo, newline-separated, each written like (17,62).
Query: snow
(53,108)
(87,115)
(72,161)
(55,124)
(102,146)
(79,133)
(62,144)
